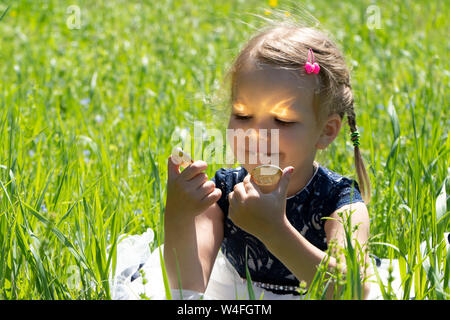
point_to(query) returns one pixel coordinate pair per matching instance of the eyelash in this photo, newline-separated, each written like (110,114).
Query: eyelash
(283,123)
(238,117)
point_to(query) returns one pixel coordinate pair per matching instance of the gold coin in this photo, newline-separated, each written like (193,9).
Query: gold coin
(267,175)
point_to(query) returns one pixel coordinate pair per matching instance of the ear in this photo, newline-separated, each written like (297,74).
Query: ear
(329,131)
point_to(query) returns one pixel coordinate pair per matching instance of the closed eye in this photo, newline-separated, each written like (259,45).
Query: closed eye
(284,123)
(279,121)
(240,117)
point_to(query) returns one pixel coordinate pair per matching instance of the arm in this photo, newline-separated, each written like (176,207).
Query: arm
(209,228)
(264,216)
(302,258)
(196,241)
(335,230)
(193,226)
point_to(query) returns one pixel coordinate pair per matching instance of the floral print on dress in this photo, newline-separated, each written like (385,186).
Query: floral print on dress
(326,192)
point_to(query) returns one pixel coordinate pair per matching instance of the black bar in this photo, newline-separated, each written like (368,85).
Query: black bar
(219,309)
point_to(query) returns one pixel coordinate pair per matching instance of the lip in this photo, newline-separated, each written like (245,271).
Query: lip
(260,153)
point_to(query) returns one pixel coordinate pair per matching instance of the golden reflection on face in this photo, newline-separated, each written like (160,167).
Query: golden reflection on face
(239,108)
(282,110)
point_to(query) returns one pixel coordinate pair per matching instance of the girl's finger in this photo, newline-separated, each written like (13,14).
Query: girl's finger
(197,181)
(233,203)
(250,185)
(173,170)
(206,188)
(192,170)
(284,181)
(230,197)
(247,182)
(239,191)
(212,197)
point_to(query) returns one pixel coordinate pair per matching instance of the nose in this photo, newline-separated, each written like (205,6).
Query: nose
(262,135)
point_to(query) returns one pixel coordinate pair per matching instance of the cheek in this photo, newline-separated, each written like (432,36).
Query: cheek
(238,142)
(292,136)
(232,125)
(295,141)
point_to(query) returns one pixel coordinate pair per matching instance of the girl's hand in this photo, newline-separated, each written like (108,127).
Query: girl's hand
(189,193)
(261,214)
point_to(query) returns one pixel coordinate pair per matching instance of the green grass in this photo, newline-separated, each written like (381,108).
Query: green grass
(86,118)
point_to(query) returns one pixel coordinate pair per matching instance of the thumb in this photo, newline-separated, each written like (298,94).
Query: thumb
(284,181)
(173,170)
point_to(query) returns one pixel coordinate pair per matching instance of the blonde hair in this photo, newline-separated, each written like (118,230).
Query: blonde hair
(286,45)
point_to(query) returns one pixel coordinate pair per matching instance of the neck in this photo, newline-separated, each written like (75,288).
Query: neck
(300,179)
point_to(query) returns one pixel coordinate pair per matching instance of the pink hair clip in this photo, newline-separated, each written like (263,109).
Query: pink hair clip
(311,66)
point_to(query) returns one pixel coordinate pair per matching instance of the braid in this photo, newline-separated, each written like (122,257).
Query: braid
(363,178)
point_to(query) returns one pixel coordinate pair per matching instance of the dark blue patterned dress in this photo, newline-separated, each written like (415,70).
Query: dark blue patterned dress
(324,193)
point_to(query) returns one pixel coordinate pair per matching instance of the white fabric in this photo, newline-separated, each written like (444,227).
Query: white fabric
(225,283)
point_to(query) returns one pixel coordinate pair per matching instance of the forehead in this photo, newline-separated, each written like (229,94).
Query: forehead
(267,85)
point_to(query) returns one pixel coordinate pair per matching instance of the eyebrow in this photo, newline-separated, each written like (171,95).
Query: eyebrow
(282,108)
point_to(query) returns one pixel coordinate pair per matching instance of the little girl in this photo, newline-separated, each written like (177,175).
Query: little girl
(289,78)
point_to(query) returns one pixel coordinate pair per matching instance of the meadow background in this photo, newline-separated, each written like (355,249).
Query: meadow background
(87,115)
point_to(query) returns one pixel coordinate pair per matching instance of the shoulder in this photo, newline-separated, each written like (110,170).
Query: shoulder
(345,203)
(341,190)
